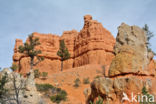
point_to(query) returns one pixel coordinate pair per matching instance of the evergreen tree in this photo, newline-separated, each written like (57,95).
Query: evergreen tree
(63,53)
(29,49)
(3,90)
(146,93)
(149,35)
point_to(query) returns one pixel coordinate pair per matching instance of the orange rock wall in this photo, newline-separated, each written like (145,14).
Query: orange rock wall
(92,45)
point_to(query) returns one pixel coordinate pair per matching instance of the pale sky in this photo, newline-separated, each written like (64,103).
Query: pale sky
(19,18)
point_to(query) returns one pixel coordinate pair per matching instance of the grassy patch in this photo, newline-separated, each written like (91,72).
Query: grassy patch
(86,81)
(36,73)
(60,96)
(44,87)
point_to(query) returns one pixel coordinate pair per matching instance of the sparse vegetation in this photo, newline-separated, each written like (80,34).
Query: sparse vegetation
(29,49)
(145,92)
(37,73)
(97,77)
(55,94)
(60,96)
(149,35)
(63,53)
(44,75)
(99,101)
(77,82)
(6,97)
(14,67)
(86,81)
(44,87)
(18,87)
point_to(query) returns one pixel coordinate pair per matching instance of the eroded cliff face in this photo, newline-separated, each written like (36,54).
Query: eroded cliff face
(130,70)
(92,45)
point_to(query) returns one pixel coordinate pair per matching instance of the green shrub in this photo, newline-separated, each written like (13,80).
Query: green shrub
(60,96)
(145,92)
(99,101)
(97,77)
(14,67)
(86,81)
(44,87)
(55,94)
(36,73)
(77,82)
(44,74)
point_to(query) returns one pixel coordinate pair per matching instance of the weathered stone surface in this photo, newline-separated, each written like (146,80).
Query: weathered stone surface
(131,51)
(126,61)
(111,90)
(92,45)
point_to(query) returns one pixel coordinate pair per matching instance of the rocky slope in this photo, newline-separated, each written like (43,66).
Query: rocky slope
(65,80)
(130,70)
(92,45)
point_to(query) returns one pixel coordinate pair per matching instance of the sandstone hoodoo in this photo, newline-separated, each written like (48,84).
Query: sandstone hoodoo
(92,45)
(131,51)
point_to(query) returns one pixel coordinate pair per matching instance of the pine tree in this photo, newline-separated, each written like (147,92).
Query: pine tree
(29,49)
(149,35)
(63,53)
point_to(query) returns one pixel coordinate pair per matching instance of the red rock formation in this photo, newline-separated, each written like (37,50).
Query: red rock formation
(92,45)
(17,55)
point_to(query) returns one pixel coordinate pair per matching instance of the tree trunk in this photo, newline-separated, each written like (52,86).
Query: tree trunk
(61,65)
(31,64)
(16,89)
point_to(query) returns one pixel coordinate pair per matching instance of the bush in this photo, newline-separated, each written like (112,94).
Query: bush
(14,67)
(97,77)
(60,96)
(44,87)
(86,81)
(56,94)
(77,82)
(44,74)
(36,73)
(145,92)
